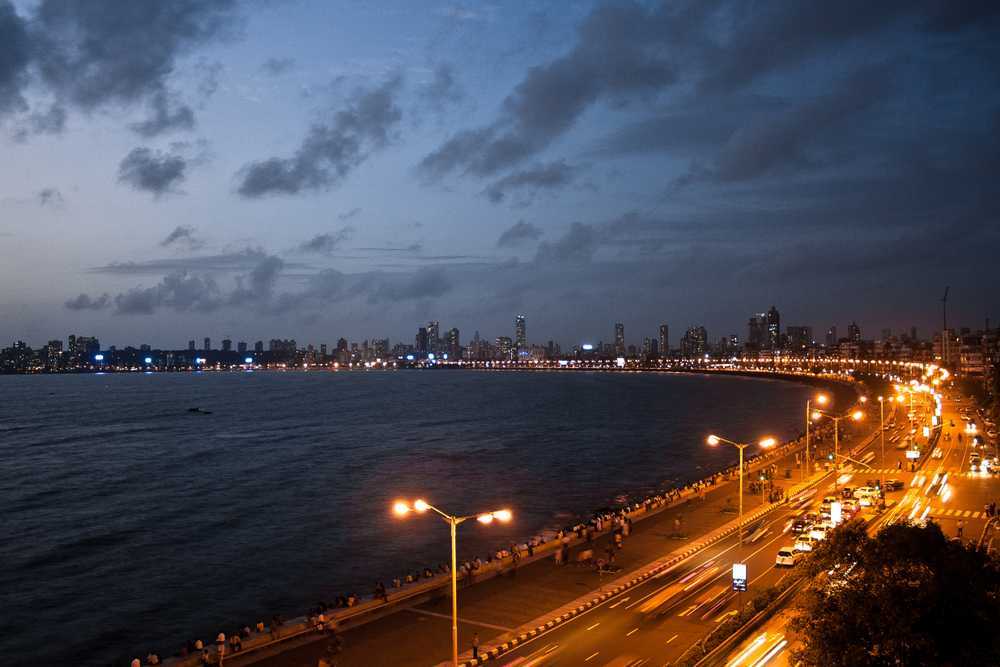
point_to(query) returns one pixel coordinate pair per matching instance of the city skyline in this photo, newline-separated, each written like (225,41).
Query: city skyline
(464,163)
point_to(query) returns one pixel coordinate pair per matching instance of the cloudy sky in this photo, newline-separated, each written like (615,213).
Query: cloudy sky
(316,169)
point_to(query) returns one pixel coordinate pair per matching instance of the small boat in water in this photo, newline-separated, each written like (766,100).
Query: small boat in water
(199,411)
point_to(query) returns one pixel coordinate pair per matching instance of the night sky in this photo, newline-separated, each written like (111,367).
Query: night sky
(178,169)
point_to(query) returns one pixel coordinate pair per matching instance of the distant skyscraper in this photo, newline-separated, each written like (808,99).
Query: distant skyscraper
(799,338)
(913,333)
(433,337)
(520,336)
(619,339)
(854,332)
(505,348)
(757,331)
(773,321)
(664,340)
(241,347)
(422,341)
(208,344)
(886,334)
(190,346)
(227,345)
(831,336)
(453,344)
(258,346)
(694,342)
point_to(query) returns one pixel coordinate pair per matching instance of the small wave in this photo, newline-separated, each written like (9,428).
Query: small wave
(239,436)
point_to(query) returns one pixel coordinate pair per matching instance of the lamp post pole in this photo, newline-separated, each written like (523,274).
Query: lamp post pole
(807,470)
(881,432)
(401,509)
(765,443)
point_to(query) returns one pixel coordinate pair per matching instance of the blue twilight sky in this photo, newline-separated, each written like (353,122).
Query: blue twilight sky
(178,169)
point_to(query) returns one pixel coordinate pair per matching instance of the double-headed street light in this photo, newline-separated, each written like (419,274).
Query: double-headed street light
(401,509)
(881,433)
(714,440)
(822,400)
(857,415)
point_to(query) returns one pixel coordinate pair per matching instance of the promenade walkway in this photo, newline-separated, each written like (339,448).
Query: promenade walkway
(494,608)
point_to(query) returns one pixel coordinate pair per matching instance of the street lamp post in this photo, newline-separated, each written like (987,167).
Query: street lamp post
(420,506)
(714,440)
(821,399)
(856,416)
(881,433)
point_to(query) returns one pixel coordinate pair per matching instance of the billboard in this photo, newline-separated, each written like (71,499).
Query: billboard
(740,577)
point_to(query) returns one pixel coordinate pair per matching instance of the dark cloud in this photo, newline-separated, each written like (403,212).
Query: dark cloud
(183,235)
(257,287)
(15,56)
(443,90)
(548,176)
(412,248)
(277,66)
(52,121)
(578,245)
(518,233)
(152,171)
(425,283)
(165,115)
(241,260)
(86,302)
(324,244)
(179,291)
(330,150)
(50,197)
(103,52)
(621,51)
(347,215)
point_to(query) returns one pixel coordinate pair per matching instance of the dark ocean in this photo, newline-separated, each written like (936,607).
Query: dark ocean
(130,524)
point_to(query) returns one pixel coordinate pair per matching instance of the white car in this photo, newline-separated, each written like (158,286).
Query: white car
(818,532)
(937,453)
(787,557)
(863,491)
(804,543)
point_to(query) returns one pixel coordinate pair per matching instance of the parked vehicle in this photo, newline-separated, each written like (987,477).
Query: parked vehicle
(804,543)
(893,484)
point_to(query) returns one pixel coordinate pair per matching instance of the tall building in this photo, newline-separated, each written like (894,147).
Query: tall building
(422,341)
(520,337)
(664,340)
(505,348)
(241,347)
(343,351)
(227,345)
(831,336)
(854,333)
(619,339)
(191,346)
(433,337)
(208,344)
(799,338)
(757,331)
(694,343)
(773,324)
(453,344)
(258,346)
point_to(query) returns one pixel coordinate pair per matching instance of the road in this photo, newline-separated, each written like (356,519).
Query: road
(928,494)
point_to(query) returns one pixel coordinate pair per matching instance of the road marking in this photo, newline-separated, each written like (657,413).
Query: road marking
(594,625)
(460,620)
(619,602)
(731,612)
(592,657)
(631,632)
(672,639)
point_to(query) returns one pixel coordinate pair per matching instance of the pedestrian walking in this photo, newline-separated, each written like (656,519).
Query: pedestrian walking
(475,646)
(961,527)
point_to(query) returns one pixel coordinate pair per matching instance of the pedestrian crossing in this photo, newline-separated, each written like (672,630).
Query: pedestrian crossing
(957,514)
(889,472)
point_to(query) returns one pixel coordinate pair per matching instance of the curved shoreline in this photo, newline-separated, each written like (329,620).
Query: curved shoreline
(669,494)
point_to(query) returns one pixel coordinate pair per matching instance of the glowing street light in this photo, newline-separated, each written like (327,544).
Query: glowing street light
(714,440)
(857,415)
(401,509)
(822,400)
